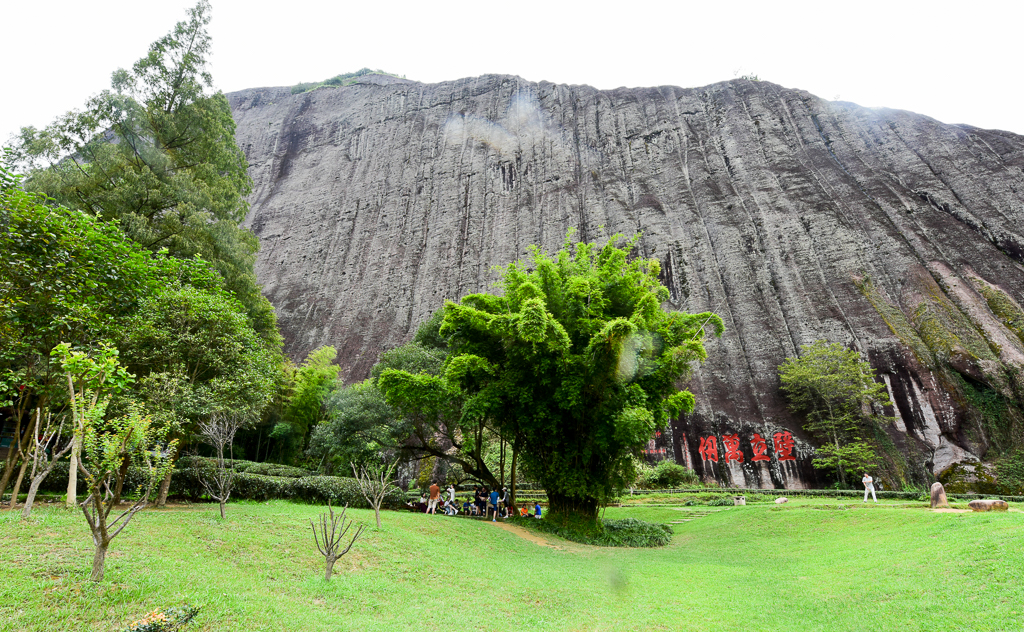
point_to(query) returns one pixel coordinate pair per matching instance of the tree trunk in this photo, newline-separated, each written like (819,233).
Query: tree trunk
(376,511)
(566,506)
(512,493)
(222,510)
(330,567)
(8,469)
(13,453)
(32,489)
(17,483)
(72,496)
(99,559)
(165,485)
(119,486)
(839,462)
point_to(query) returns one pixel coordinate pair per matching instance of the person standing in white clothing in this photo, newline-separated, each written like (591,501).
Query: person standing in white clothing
(869,487)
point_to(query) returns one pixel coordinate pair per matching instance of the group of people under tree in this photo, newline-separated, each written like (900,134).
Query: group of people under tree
(485,503)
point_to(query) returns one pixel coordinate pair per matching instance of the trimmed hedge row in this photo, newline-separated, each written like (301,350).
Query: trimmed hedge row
(820,493)
(186,482)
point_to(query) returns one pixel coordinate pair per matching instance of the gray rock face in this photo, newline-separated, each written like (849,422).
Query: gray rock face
(795,218)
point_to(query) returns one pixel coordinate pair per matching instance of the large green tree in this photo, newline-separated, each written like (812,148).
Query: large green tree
(157,154)
(836,390)
(65,276)
(574,362)
(309,387)
(69,277)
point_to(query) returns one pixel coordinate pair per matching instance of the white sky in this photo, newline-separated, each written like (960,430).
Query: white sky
(957,62)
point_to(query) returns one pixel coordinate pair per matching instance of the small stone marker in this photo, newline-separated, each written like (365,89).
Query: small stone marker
(779,501)
(939,495)
(988,505)
(739,500)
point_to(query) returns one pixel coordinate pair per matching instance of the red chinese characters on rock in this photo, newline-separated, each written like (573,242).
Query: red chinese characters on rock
(760,447)
(784,446)
(782,442)
(732,448)
(709,449)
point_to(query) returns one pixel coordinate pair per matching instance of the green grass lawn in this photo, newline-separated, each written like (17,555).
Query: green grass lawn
(807,565)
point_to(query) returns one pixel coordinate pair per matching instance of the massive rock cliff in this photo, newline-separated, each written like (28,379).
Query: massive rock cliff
(795,218)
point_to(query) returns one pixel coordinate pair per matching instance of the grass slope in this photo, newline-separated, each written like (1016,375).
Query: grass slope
(804,566)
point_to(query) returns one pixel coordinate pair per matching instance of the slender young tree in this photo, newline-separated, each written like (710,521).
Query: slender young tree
(219,432)
(329,534)
(105,445)
(375,483)
(91,380)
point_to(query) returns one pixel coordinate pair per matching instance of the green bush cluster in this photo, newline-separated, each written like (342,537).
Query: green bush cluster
(1010,471)
(625,532)
(668,475)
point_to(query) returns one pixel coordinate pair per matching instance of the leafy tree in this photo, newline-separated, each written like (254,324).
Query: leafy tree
(836,390)
(156,153)
(575,364)
(65,276)
(304,409)
(196,354)
(106,444)
(92,379)
(359,424)
(426,417)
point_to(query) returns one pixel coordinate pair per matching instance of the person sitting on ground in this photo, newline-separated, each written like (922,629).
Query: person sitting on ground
(466,508)
(524,511)
(450,508)
(536,511)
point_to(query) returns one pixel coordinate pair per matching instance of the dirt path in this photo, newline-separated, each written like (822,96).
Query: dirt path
(540,540)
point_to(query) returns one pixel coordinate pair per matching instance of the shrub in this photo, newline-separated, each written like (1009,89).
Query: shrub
(626,532)
(671,475)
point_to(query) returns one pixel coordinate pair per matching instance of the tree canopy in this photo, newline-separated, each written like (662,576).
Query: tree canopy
(836,390)
(156,153)
(575,363)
